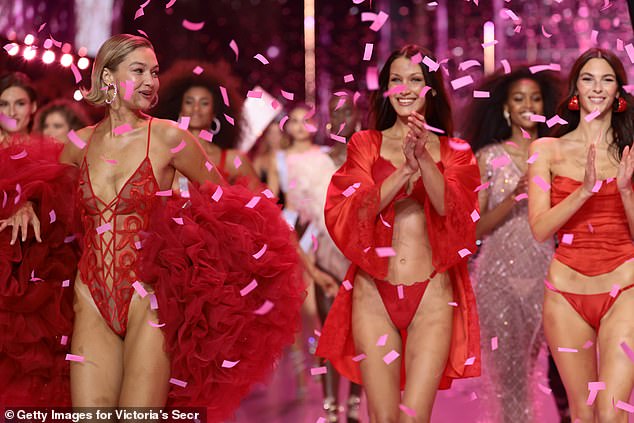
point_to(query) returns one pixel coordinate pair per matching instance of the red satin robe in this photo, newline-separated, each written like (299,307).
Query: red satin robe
(352,218)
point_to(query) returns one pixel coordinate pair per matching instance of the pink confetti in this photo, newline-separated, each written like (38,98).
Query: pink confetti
(261,252)
(253,202)
(543,185)
(282,122)
(494,343)
(522,196)
(122,129)
(64,340)
(367,52)
(237,162)
(261,58)
(453,304)
(506,65)
(468,64)
(390,357)
(73,357)
(217,194)
(166,193)
(348,78)
(128,89)
(532,159)
(153,302)
(250,287)
(473,396)
(475,216)
(268,193)
(347,285)
(179,147)
(66,283)
(183,122)
(395,90)
(482,186)
(544,389)
(619,44)
(400,292)
(567,239)
(385,251)
(546,34)
(500,161)
(351,189)
(380,20)
(464,252)
(372,78)
(597,186)
(489,43)
(142,33)
(385,223)
(178,220)
(138,287)
(627,350)
(625,406)
(431,64)
(587,345)
(206,135)
(264,308)
(593,36)
(481,94)
(359,357)
(8,122)
(461,82)
(18,156)
(433,128)
(225,97)
(170,4)
(197,70)
(254,94)
(234,47)
(381,341)
(537,118)
(178,382)
(138,245)
(74,138)
(229,119)
(407,410)
(138,13)
(592,115)
(556,120)
(104,228)
(318,371)
(424,91)
(571,350)
(155,325)
(470,361)
(417,58)
(229,364)
(338,138)
(511,14)
(193,26)
(459,145)
(76,73)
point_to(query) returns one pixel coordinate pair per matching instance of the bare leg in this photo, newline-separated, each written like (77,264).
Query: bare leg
(330,380)
(565,328)
(96,381)
(615,368)
(381,381)
(146,364)
(427,349)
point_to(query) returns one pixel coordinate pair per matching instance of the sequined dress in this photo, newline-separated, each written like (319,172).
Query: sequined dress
(508,275)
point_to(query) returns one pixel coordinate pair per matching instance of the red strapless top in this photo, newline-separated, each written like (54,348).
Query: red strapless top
(111,232)
(601,239)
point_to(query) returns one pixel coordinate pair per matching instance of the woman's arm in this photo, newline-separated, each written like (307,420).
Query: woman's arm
(624,182)
(544,219)
(189,157)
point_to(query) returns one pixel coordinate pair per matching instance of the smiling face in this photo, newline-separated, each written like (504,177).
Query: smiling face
(140,67)
(16,104)
(524,100)
(408,80)
(198,104)
(597,86)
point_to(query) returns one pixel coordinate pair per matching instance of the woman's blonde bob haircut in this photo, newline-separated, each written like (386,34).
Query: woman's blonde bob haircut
(110,55)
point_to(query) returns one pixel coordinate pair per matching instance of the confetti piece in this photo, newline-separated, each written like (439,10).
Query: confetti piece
(179,147)
(473,396)
(260,253)
(178,382)
(178,220)
(522,196)
(275,104)
(407,410)
(225,97)
(170,4)
(390,357)
(380,20)
(500,161)
(525,134)
(627,350)
(458,145)
(431,64)
(142,33)
(625,406)
(104,228)
(155,325)
(489,43)
(400,292)
(351,189)
(64,340)
(453,304)
(347,285)
(138,13)
(572,350)
(69,239)
(470,361)
(74,138)
(217,194)
(73,357)
(461,82)
(250,287)
(138,287)
(261,58)
(417,58)
(545,33)
(138,245)
(254,94)
(153,302)
(8,122)
(593,36)
(540,68)
(511,14)
(532,159)
(122,129)
(482,186)
(475,216)
(385,223)
(372,78)
(359,357)
(494,343)
(481,94)
(468,64)
(229,364)
(367,52)
(166,193)
(537,118)
(556,120)
(464,252)
(237,162)
(395,90)
(543,185)
(18,156)
(381,341)
(544,389)
(183,122)
(506,65)
(619,44)
(592,115)
(206,135)
(264,308)
(234,47)
(197,70)
(433,128)
(193,26)
(322,419)
(385,251)
(348,78)
(229,119)
(66,283)
(282,122)
(567,239)
(338,138)
(253,202)
(76,73)
(587,345)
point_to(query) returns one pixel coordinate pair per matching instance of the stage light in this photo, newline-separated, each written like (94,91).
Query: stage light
(29,39)
(272,52)
(66,60)
(48,43)
(28,53)
(48,57)
(12,49)
(77,95)
(83,63)
(82,51)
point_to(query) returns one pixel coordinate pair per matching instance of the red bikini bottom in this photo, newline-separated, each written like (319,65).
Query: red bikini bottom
(591,307)
(401,301)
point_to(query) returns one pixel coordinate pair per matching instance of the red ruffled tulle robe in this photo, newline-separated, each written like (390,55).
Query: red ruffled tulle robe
(217,343)
(352,218)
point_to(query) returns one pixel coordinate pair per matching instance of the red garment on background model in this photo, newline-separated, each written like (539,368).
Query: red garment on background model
(352,218)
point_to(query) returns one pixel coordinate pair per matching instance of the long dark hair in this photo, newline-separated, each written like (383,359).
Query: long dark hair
(180,77)
(437,107)
(485,124)
(622,123)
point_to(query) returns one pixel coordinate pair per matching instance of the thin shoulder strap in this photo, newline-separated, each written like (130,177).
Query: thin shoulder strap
(149,131)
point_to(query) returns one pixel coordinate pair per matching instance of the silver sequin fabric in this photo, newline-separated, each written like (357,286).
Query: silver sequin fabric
(508,274)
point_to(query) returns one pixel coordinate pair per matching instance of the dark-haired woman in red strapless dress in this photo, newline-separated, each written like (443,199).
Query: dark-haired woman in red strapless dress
(588,171)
